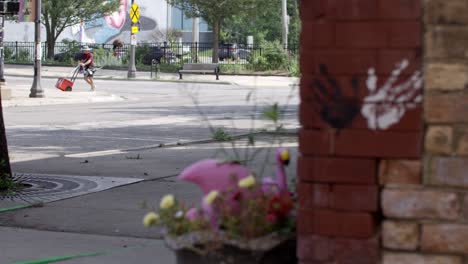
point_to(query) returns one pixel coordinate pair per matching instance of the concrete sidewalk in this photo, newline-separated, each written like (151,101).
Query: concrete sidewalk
(20,245)
(242,80)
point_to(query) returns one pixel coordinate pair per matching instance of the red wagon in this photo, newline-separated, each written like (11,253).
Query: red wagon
(65,84)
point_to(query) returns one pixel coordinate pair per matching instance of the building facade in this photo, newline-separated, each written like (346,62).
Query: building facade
(157,16)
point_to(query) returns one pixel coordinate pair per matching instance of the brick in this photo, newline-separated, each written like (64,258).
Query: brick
(420,204)
(314,195)
(357,198)
(307,63)
(382,144)
(462,142)
(317,34)
(361,35)
(311,10)
(337,170)
(316,248)
(400,172)
(336,224)
(444,238)
(353,251)
(400,235)
(446,108)
(320,249)
(311,112)
(354,9)
(410,258)
(448,171)
(406,34)
(443,12)
(439,140)
(411,121)
(311,116)
(446,42)
(354,62)
(388,59)
(446,77)
(315,142)
(400,9)
(465,207)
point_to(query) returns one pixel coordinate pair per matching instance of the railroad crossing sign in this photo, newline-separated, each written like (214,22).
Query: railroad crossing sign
(135,13)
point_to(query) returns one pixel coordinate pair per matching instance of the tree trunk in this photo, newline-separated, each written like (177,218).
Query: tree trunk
(50,47)
(5,169)
(216,30)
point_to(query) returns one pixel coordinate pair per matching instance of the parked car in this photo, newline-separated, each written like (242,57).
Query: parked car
(244,54)
(65,56)
(228,51)
(159,53)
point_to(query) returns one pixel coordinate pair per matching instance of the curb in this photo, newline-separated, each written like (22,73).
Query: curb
(132,80)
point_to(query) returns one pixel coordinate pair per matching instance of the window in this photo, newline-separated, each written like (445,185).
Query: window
(181,22)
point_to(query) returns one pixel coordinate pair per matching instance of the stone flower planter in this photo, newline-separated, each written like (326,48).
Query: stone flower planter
(217,249)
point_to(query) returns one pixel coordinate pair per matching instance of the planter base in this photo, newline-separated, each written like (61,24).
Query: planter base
(282,254)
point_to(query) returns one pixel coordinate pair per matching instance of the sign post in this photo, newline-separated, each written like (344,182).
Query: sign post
(135,17)
(36,88)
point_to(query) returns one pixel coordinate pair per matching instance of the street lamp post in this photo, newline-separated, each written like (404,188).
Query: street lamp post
(284,7)
(2,52)
(36,88)
(131,65)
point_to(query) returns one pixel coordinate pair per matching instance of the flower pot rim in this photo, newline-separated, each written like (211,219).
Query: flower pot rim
(189,240)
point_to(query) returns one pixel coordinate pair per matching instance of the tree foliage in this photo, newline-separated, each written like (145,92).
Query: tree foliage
(265,24)
(60,14)
(214,12)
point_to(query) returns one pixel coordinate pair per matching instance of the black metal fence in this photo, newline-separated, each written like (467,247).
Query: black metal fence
(266,57)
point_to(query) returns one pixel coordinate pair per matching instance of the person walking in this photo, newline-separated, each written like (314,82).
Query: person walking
(87,66)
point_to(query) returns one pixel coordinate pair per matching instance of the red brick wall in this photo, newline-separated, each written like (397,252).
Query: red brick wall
(342,143)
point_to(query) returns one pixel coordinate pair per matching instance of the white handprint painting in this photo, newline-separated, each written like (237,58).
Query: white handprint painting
(386,105)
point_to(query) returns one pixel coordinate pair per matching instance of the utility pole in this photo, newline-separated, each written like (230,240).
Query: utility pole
(131,65)
(285,23)
(195,39)
(2,53)
(5,92)
(36,88)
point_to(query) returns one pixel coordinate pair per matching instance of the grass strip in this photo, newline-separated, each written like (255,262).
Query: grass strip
(59,258)
(15,208)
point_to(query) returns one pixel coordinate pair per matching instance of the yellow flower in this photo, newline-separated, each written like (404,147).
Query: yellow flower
(211,197)
(167,201)
(247,182)
(150,219)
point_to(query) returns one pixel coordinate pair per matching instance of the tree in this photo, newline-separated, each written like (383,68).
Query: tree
(5,169)
(264,24)
(60,14)
(214,12)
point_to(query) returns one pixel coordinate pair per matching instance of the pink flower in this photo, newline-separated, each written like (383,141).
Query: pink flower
(192,214)
(272,218)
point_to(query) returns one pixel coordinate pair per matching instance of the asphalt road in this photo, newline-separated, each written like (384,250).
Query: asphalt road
(41,138)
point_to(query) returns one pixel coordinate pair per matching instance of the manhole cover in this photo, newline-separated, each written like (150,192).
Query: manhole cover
(39,188)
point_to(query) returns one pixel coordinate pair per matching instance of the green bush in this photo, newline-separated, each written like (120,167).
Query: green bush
(140,52)
(68,51)
(294,67)
(8,54)
(23,56)
(103,57)
(272,57)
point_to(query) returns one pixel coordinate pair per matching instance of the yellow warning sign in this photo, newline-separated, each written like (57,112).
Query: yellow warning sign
(135,13)
(134,29)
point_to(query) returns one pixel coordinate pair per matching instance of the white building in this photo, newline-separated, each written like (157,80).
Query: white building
(156,16)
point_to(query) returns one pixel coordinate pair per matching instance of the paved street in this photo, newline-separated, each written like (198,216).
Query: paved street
(149,114)
(132,131)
